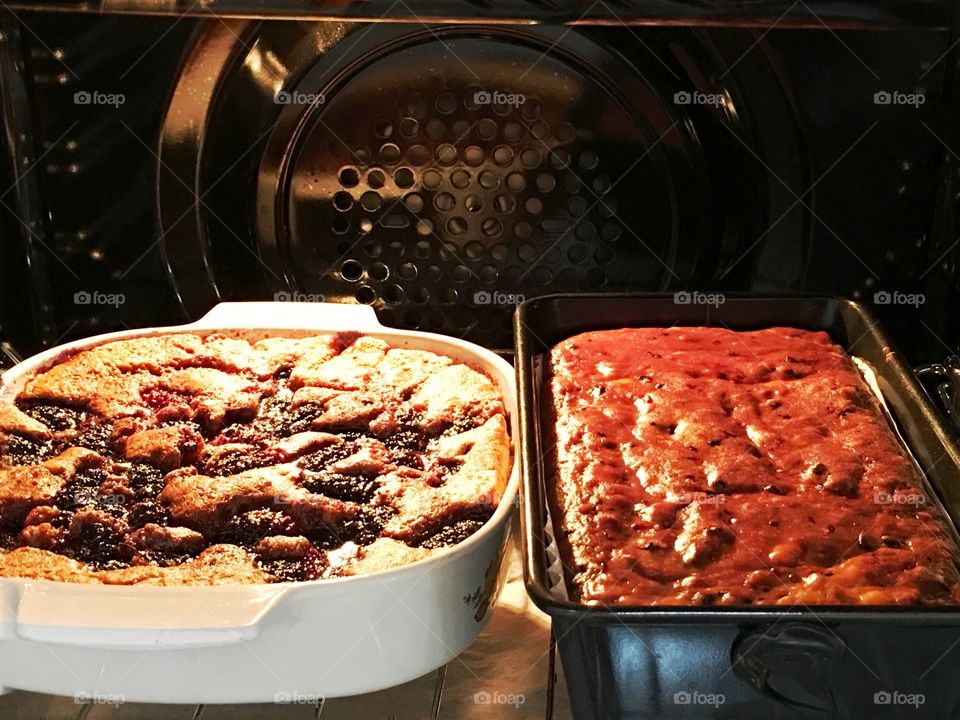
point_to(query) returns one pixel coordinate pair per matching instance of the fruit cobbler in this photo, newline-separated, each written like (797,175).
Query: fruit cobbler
(197,460)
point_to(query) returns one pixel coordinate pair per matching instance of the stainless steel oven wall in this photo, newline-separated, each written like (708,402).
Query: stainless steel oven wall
(442,172)
(79,177)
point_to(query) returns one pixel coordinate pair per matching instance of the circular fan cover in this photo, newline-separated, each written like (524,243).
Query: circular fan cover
(443,202)
(440,175)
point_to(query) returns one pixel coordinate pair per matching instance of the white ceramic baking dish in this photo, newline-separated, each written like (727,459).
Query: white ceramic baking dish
(289,641)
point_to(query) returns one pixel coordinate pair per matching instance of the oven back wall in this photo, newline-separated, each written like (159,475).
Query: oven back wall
(440,174)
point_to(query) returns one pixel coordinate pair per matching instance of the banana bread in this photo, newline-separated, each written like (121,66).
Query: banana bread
(700,466)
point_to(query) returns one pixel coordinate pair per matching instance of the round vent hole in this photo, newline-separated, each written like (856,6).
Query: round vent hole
(349,177)
(376,179)
(444,202)
(379,271)
(351,270)
(409,127)
(370,201)
(404,178)
(502,155)
(342,201)
(366,295)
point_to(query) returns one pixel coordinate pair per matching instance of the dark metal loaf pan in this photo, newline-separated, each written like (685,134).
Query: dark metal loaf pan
(742,662)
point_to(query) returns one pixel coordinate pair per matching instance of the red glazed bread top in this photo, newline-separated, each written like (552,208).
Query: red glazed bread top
(701,466)
(196,460)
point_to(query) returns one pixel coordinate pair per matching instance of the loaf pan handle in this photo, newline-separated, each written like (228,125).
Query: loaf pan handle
(289,316)
(139,618)
(945,378)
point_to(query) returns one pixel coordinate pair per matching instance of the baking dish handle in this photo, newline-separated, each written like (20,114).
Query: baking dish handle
(140,618)
(285,315)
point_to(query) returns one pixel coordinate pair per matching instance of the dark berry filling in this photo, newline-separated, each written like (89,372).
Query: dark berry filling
(95,436)
(407,446)
(350,488)
(368,524)
(275,416)
(249,528)
(238,461)
(146,481)
(145,512)
(310,567)
(83,490)
(23,450)
(97,544)
(56,417)
(457,529)
(8,539)
(452,534)
(320,460)
(326,537)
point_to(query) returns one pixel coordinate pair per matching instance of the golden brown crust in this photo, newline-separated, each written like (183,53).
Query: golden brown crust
(165,447)
(216,460)
(13,420)
(350,370)
(35,564)
(406,370)
(107,379)
(24,487)
(482,457)
(385,554)
(699,466)
(456,391)
(217,565)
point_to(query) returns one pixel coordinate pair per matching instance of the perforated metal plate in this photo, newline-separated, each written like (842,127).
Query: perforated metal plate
(442,200)
(441,174)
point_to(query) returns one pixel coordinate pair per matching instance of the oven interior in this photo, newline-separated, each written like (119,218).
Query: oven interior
(158,162)
(442,160)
